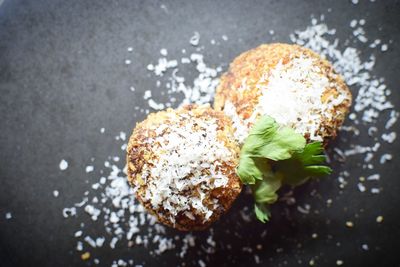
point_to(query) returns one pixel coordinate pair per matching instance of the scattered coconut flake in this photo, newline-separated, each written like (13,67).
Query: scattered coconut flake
(156,106)
(201,263)
(195,39)
(390,137)
(361,187)
(374,177)
(68,212)
(147,94)
(113,242)
(63,165)
(100,241)
(305,210)
(375,190)
(394,115)
(89,168)
(122,136)
(78,234)
(164,52)
(79,246)
(55,193)
(385,157)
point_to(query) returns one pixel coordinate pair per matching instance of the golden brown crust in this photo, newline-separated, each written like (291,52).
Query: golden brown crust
(141,153)
(253,64)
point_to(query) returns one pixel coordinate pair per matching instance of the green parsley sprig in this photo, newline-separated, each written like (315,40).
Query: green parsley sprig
(273,156)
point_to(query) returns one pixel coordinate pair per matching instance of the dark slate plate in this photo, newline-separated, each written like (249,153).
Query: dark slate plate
(63,77)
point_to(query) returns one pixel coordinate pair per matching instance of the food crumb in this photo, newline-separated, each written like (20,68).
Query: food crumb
(8,215)
(311,262)
(195,39)
(128,61)
(55,193)
(375,190)
(349,224)
(379,219)
(85,256)
(256,259)
(361,187)
(147,94)
(385,157)
(89,168)
(78,234)
(163,52)
(63,165)
(79,246)
(339,262)
(314,235)
(364,247)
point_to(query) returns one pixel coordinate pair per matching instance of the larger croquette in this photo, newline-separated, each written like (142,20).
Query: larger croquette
(290,83)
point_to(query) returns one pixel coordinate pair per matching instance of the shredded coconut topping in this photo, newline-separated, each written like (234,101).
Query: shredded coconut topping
(188,159)
(240,125)
(293,96)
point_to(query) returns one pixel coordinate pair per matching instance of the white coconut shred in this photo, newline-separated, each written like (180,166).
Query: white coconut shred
(293,96)
(187,158)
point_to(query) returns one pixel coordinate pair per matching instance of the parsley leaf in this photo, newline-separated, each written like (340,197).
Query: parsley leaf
(273,156)
(265,190)
(262,212)
(303,165)
(252,169)
(267,140)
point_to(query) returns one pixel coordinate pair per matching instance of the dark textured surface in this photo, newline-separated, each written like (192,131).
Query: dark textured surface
(63,77)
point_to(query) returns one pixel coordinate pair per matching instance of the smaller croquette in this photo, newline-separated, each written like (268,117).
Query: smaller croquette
(182,165)
(290,83)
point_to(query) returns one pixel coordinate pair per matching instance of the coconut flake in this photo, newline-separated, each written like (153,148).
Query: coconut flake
(63,165)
